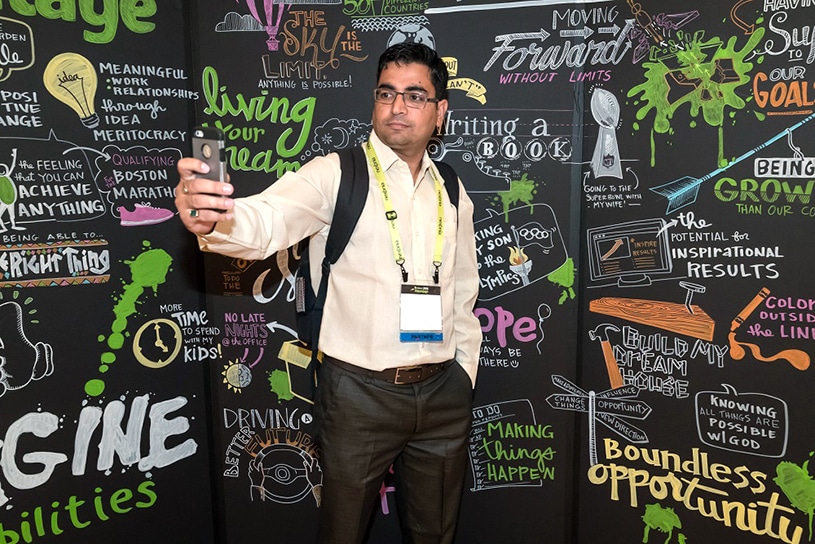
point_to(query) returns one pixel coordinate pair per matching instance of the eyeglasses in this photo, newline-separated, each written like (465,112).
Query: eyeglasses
(413,99)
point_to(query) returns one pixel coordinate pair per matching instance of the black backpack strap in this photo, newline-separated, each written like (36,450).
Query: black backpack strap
(351,196)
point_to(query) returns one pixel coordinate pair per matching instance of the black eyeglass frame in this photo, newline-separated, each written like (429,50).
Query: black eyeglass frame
(403,93)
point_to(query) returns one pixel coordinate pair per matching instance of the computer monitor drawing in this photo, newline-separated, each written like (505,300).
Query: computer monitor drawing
(630,253)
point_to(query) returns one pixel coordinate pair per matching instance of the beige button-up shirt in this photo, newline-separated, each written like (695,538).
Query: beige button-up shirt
(361,315)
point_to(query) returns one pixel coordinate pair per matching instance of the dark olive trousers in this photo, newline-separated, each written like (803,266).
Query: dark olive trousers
(365,425)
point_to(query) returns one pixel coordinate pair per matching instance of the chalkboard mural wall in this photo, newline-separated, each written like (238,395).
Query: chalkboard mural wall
(642,176)
(103,400)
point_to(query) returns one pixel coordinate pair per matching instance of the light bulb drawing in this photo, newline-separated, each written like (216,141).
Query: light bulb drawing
(72,80)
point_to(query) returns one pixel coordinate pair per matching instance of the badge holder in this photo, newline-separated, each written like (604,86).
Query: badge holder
(420,314)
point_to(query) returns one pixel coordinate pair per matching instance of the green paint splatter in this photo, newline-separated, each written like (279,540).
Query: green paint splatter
(279,382)
(94,387)
(520,190)
(722,161)
(149,269)
(799,487)
(563,277)
(662,519)
(8,191)
(704,75)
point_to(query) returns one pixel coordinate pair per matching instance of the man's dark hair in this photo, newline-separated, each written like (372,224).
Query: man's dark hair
(407,53)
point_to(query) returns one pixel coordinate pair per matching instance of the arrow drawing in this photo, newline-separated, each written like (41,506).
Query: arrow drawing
(683,191)
(584,33)
(617,243)
(542,35)
(614,29)
(747,28)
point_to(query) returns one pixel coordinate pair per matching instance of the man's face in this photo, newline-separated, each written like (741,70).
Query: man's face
(403,129)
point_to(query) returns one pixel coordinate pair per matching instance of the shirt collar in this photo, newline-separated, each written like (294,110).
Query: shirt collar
(388,158)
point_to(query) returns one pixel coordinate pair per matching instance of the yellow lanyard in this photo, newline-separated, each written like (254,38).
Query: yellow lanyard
(390,215)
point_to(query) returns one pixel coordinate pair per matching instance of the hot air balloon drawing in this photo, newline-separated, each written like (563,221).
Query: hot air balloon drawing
(272,14)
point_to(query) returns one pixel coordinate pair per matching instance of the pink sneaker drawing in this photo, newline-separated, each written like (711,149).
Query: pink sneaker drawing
(143,214)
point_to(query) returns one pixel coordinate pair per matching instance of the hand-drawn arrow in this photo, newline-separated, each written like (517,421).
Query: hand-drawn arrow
(748,29)
(275,326)
(623,392)
(614,29)
(617,243)
(542,35)
(633,434)
(666,226)
(260,356)
(566,385)
(636,177)
(683,191)
(584,33)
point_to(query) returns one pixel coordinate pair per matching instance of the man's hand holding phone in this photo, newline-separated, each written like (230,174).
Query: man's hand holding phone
(203,191)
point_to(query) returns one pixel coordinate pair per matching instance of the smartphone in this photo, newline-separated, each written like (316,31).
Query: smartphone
(208,146)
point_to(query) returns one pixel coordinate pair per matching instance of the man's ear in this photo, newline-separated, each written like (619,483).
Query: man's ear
(441,114)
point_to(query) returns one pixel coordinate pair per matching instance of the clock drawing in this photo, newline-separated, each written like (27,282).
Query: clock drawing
(157,343)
